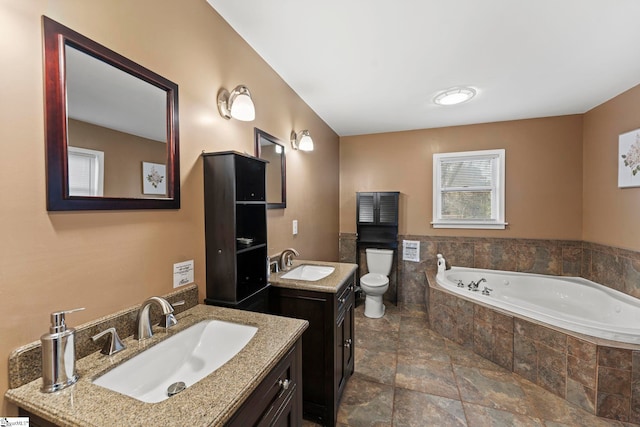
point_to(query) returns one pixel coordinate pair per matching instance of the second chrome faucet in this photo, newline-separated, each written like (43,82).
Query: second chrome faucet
(286,258)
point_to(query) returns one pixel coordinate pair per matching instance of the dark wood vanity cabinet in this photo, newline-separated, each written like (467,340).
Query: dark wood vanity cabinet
(277,401)
(327,344)
(235,230)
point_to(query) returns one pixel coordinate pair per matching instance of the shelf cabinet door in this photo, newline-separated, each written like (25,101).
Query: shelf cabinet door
(366,205)
(387,212)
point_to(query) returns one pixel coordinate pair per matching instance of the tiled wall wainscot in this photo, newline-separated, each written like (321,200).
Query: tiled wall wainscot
(612,267)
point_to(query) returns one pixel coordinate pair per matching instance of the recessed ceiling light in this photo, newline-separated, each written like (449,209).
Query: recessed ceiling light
(453,96)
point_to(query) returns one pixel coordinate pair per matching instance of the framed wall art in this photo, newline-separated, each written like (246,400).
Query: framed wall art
(154,178)
(629,159)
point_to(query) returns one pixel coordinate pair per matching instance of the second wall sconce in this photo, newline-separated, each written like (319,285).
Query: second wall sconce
(237,104)
(301,141)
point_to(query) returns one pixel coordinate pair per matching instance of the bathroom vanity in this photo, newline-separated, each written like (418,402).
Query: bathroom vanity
(328,343)
(259,386)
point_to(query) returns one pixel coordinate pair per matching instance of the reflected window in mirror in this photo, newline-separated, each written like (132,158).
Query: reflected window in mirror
(99,101)
(86,172)
(270,148)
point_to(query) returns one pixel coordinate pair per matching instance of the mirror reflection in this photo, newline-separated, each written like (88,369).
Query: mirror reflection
(115,124)
(270,148)
(119,118)
(112,128)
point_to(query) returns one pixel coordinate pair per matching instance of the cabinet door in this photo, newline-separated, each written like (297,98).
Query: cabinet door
(277,399)
(387,208)
(366,208)
(344,350)
(339,380)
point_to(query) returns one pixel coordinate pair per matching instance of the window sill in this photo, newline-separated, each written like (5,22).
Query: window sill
(476,225)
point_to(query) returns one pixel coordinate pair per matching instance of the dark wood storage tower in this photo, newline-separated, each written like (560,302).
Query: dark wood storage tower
(235,208)
(377,226)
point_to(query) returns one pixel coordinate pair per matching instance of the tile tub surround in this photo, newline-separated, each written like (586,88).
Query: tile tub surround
(211,401)
(616,268)
(599,376)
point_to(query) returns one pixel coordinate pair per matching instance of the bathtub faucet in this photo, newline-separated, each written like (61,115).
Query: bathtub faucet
(486,291)
(473,286)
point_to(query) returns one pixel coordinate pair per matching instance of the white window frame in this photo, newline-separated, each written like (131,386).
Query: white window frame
(497,187)
(95,186)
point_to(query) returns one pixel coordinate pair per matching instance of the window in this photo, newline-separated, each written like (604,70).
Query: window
(468,190)
(86,172)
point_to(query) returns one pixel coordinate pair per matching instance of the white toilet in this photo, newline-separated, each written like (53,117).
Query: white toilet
(375,283)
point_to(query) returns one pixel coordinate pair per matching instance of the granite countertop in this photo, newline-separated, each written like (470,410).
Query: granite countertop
(210,402)
(330,284)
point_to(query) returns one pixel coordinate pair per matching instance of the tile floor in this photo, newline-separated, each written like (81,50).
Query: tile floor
(409,376)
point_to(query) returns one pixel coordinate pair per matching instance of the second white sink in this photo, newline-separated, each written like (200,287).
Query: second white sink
(186,357)
(309,272)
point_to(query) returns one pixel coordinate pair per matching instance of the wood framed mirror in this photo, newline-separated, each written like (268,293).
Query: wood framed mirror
(270,148)
(111,128)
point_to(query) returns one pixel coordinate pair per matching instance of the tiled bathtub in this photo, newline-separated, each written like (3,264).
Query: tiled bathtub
(600,376)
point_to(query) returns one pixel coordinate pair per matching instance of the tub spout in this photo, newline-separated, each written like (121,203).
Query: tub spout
(473,286)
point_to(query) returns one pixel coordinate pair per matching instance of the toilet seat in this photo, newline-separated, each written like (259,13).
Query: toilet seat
(374,280)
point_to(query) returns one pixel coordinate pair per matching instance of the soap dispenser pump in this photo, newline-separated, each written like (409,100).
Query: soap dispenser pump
(59,354)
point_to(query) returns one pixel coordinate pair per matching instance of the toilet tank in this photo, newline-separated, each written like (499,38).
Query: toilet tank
(379,261)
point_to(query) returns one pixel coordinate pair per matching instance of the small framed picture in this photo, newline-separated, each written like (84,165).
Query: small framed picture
(154,178)
(629,159)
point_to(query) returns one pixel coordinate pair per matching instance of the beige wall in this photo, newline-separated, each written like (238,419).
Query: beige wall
(106,261)
(543,174)
(611,214)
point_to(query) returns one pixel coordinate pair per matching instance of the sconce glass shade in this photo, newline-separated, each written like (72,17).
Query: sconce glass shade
(301,141)
(453,96)
(237,104)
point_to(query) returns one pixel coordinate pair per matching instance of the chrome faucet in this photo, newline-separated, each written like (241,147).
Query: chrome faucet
(473,286)
(286,258)
(143,321)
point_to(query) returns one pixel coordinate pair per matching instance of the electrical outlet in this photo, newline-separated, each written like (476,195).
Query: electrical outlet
(295,227)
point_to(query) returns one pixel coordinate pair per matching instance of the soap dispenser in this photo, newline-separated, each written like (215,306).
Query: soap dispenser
(59,354)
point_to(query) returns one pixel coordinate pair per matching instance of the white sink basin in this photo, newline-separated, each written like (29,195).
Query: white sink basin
(187,357)
(308,272)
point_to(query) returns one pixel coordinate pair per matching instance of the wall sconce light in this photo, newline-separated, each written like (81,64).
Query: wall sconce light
(301,141)
(237,104)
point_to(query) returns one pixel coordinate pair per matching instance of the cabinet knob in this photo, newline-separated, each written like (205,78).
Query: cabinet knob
(284,384)
(341,300)
(347,343)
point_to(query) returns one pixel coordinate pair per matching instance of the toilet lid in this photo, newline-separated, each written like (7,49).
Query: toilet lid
(374,279)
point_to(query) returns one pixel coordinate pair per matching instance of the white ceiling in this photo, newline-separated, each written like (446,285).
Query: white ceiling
(370,66)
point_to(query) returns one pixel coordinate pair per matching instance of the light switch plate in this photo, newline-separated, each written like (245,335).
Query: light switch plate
(183,273)
(295,227)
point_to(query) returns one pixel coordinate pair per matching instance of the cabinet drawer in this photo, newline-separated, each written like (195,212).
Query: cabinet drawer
(344,296)
(273,397)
